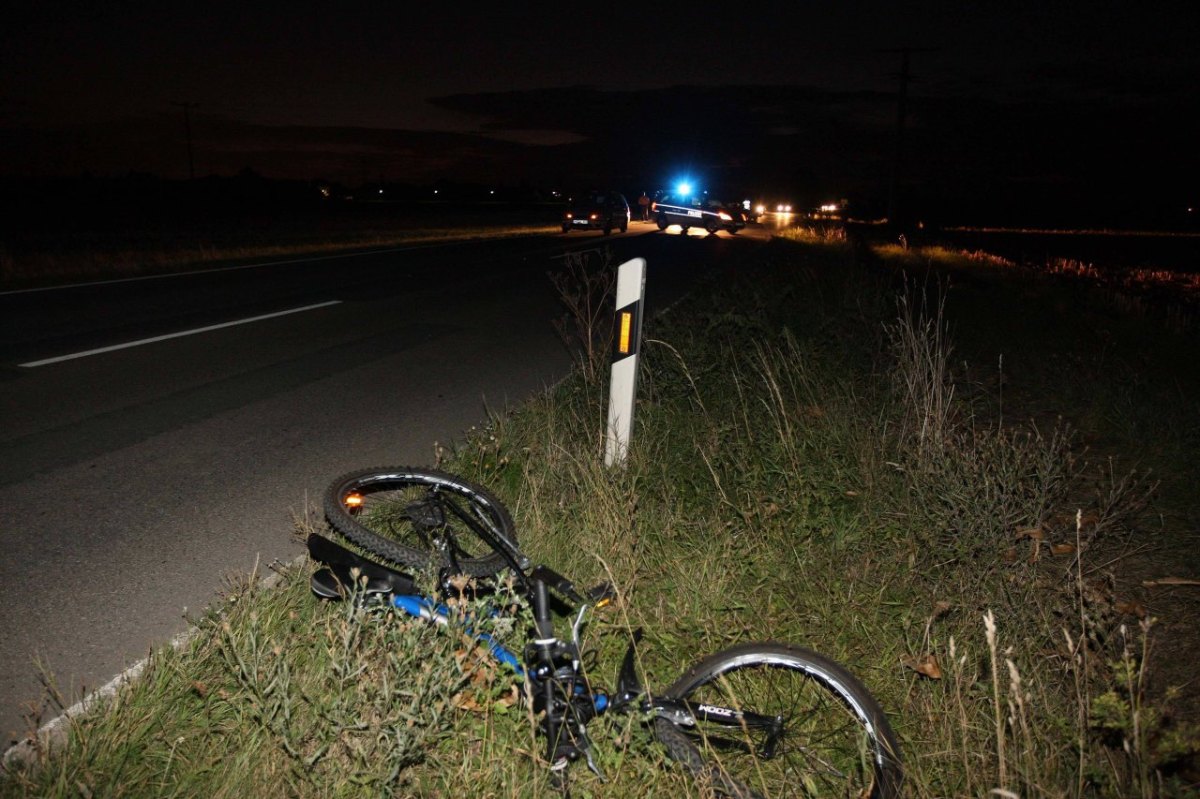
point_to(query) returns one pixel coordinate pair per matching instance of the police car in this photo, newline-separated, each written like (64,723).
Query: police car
(696,210)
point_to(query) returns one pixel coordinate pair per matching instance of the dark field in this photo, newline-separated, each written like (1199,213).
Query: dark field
(1158,272)
(77,226)
(1120,250)
(78,240)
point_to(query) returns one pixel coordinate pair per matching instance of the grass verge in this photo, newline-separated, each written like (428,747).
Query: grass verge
(855,451)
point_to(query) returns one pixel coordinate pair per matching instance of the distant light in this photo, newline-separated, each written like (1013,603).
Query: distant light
(435,191)
(381,191)
(493,191)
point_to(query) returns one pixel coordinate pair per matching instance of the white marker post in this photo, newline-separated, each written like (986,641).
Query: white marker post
(631,289)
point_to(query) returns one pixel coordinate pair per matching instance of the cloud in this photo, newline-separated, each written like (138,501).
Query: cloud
(223,146)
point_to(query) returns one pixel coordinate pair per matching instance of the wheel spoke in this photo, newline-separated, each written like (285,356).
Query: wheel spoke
(415,516)
(829,738)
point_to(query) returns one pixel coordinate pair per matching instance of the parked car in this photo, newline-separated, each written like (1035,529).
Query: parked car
(697,211)
(597,210)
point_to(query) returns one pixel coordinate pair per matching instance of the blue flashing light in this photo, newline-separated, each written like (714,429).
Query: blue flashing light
(684,189)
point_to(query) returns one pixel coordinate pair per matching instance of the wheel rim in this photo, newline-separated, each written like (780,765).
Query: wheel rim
(419,512)
(824,746)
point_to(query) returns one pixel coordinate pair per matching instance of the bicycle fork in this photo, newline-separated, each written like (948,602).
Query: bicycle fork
(551,668)
(559,693)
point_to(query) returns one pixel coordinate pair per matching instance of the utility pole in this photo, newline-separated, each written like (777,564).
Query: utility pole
(187,126)
(893,208)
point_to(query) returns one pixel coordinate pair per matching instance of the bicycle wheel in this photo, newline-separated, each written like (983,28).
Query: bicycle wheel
(774,720)
(415,516)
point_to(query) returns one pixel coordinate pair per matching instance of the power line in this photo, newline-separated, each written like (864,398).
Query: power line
(901,114)
(187,125)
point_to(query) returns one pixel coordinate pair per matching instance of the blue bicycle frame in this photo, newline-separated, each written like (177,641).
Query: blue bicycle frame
(541,669)
(424,608)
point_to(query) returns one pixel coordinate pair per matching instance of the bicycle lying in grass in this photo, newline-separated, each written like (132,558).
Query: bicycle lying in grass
(757,719)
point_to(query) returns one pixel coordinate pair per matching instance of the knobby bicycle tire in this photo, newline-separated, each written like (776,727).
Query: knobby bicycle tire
(399,513)
(833,738)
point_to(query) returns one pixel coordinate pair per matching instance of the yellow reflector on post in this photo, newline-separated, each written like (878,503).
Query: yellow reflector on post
(631,291)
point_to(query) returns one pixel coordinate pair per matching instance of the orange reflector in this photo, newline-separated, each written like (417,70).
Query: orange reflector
(354,500)
(626,329)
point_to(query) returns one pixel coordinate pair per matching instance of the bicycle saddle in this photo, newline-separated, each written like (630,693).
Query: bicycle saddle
(334,581)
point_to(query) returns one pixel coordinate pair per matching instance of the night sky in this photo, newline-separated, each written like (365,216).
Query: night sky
(1059,103)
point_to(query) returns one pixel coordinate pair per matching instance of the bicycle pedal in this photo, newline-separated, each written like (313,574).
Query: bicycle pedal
(602,594)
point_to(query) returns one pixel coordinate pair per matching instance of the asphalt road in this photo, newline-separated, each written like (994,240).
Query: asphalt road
(135,481)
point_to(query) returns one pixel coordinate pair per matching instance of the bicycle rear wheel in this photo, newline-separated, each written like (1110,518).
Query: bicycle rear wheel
(415,516)
(774,720)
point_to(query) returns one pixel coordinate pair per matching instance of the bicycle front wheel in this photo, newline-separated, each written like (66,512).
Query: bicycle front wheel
(773,720)
(416,516)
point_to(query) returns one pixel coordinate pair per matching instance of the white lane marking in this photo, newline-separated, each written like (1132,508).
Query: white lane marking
(181,333)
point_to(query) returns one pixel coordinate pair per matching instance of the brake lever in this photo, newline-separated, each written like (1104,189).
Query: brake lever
(629,687)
